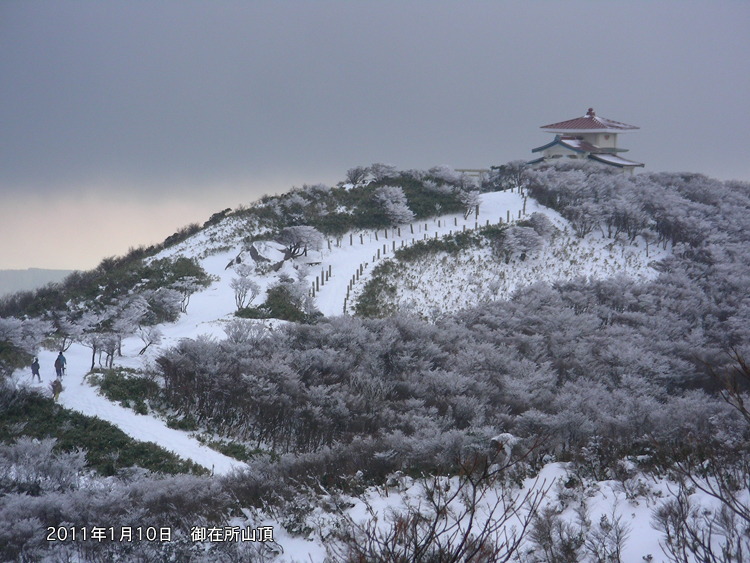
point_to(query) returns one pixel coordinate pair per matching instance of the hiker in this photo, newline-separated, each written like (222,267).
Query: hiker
(35,370)
(60,365)
(56,388)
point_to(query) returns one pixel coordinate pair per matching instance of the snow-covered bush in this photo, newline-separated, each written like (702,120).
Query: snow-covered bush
(519,241)
(470,200)
(298,240)
(19,341)
(392,200)
(446,174)
(381,172)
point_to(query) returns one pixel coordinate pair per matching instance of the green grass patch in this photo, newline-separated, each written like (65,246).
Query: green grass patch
(123,386)
(252,313)
(378,292)
(235,450)
(187,423)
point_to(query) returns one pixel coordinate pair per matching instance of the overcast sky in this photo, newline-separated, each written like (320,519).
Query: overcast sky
(123,121)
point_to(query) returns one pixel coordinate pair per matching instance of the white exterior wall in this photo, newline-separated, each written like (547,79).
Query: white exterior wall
(604,142)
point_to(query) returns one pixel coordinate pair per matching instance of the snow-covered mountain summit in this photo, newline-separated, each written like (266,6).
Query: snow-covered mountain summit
(319,350)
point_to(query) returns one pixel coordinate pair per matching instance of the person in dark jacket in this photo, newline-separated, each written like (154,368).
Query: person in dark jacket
(35,370)
(60,365)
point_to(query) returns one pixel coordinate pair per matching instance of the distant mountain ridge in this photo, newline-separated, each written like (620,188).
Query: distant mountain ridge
(31,278)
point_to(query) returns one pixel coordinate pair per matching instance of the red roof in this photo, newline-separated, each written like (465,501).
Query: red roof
(589,123)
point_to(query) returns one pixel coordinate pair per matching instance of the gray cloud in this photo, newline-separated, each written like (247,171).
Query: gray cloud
(169,98)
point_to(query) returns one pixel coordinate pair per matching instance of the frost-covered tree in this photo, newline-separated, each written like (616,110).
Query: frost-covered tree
(245,291)
(187,286)
(150,335)
(510,176)
(241,331)
(380,171)
(438,187)
(357,175)
(19,341)
(94,334)
(165,305)
(298,240)
(446,174)
(129,314)
(542,225)
(67,330)
(520,240)
(470,201)
(392,200)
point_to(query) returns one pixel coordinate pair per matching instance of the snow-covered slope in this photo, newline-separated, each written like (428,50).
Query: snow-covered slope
(438,283)
(441,283)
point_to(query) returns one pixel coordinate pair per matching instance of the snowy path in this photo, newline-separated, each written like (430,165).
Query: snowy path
(80,396)
(355,251)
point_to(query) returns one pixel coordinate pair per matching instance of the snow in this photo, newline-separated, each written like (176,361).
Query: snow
(211,308)
(605,498)
(421,288)
(614,159)
(79,396)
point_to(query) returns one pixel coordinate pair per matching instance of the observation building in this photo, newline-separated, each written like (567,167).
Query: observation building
(589,137)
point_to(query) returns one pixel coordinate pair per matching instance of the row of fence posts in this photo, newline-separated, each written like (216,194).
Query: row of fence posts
(321,280)
(325,275)
(350,285)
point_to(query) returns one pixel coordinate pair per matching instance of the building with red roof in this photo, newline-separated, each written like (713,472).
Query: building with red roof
(589,137)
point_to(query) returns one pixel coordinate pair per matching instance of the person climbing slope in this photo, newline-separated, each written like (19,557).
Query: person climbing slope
(60,363)
(35,370)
